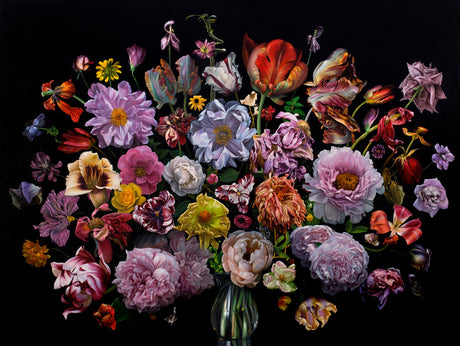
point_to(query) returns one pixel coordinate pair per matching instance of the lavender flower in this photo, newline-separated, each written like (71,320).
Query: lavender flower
(170,37)
(43,168)
(443,157)
(431,196)
(26,194)
(311,39)
(381,283)
(32,129)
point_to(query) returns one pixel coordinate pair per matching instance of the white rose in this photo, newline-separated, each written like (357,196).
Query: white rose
(184,175)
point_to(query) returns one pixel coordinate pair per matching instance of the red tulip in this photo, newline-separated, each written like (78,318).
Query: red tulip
(76,140)
(409,169)
(274,68)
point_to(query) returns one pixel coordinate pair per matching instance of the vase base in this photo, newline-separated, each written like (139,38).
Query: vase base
(236,342)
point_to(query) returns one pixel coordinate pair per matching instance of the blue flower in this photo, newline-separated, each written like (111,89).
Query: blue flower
(33,129)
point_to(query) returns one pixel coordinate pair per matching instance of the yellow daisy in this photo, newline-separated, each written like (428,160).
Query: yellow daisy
(196,103)
(107,70)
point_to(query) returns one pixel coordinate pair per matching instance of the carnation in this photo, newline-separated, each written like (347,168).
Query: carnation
(148,279)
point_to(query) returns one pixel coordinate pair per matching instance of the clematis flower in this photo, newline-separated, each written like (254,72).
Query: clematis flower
(76,140)
(156,214)
(170,37)
(162,84)
(410,230)
(189,81)
(314,310)
(93,176)
(224,77)
(174,127)
(379,95)
(64,91)
(205,49)
(237,193)
(274,68)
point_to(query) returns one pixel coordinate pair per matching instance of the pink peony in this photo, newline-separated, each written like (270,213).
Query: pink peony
(306,239)
(148,279)
(141,166)
(84,280)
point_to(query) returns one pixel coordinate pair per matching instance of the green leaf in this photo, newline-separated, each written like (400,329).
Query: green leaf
(229,175)
(121,312)
(359,229)
(181,208)
(348,226)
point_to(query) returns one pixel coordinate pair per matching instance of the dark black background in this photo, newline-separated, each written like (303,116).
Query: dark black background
(40,39)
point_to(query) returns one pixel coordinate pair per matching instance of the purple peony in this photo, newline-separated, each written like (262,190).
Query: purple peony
(344,183)
(306,239)
(381,283)
(443,156)
(148,279)
(222,134)
(122,118)
(431,196)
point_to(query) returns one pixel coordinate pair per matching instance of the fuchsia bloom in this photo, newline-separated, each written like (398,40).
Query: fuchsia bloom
(156,214)
(136,56)
(83,278)
(205,49)
(237,193)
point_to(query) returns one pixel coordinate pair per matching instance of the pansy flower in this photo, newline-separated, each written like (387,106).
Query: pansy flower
(64,91)
(237,193)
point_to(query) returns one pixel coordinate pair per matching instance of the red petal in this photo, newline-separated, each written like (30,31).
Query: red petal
(401,214)
(379,222)
(248,47)
(74,112)
(49,104)
(47,86)
(410,234)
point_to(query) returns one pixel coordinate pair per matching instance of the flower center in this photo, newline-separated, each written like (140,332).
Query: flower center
(223,134)
(204,216)
(346,181)
(127,197)
(96,223)
(139,172)
(119,117)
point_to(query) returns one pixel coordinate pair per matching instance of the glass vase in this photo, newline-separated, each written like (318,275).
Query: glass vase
(234,315)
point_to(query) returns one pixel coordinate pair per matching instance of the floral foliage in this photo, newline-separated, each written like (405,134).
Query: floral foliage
(294,183)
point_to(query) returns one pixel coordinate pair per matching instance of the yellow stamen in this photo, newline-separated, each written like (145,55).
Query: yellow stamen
(346,181)
(119,117)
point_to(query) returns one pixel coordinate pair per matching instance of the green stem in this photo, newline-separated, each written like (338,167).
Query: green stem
(376,250)
(169,53)
(367,148)
(171,107)
(135,80)
(417,91)
(410,144)
(259,114)
(185,102)
(362,104)
(84,79)
(60,251)
(79,99)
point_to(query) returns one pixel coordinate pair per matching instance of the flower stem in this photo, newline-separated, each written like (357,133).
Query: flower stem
(79,99)
(259,114)
(362,104)
(135,80)
(417,91)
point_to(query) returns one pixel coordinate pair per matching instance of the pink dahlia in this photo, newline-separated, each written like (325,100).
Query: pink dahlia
(141,166)
(122,118)
(148,279)
(156,214)
(344,183)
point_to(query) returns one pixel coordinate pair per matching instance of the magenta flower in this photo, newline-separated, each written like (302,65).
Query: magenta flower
(42,168)
(170,37)
(378,151)
(431,196)
(83,278)
(122,118)
(443,156)
(156,214)
(148,279)
(57,212)
(242,221)
(237,193)
(136,56)
(381,283)
(205,49)
(141,166)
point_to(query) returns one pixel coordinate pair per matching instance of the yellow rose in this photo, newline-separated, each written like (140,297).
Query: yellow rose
(126,199)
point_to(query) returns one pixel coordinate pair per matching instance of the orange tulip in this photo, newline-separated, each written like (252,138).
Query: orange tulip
(65,91)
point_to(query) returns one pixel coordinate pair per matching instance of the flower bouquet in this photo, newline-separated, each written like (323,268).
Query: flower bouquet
(174,182)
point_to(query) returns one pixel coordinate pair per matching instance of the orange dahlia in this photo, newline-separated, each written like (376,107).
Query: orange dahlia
(280,205)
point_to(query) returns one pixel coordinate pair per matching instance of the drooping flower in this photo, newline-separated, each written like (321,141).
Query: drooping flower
(35,254)
(76,140)
(83,278)
(33,127)
(148,279)
(206,218)
(314,310)
(140,165)
(57,214)
(136,56)
(381,283)
(431,196)
(274,68)
(82,63)
(426,78)
(189,82)
(93,176)
(379,95)
(245,256)
(205,49)
(26,194)
(42,167)
(442,157)
(222,134)
(156,214)
(185,176)
(105,316)
(64,91)
(312,39)
(409,168)
(344,183)
(281,277)
(410,230)
(280,205)
(196,103)
(174,127)
(122,118)
(224,77)
(170,37)
(162,84)
(237,193)
(107,70)
(385,130)
(128,198)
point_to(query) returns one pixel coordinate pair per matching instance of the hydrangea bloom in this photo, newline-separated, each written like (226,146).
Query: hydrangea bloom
(222,134)
(344,183)
(122,118)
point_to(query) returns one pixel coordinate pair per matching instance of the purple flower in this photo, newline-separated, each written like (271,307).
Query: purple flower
(156,214)
(381,283)
(148,279)
(378,151)
(306,239)
(195,276)
(26,194)
(136,56)
(222,134)
(33,128)
(170,37)
(344,183)
(121,118)
(431,196)
(429,80)
(57,212)
(311,39)
(43,168)
(205,49)
(442,157)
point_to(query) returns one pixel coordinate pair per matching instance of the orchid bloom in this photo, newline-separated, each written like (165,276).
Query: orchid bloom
(64,91)
(274,68)
(410,230)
